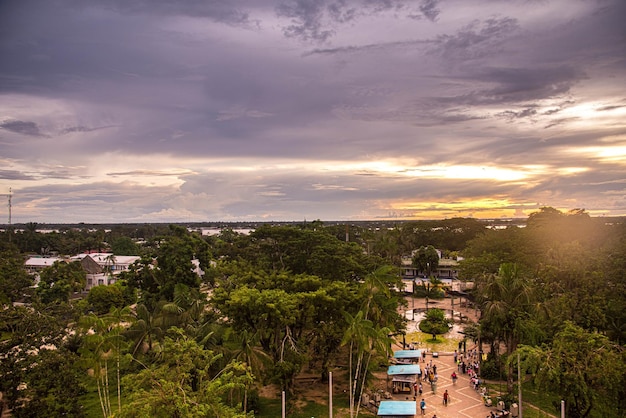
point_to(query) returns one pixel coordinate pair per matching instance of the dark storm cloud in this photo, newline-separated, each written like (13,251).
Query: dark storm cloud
(74,129)
(151,101)
(230,12)
(149,173)
(513,85)
(315,20)
(42,173)
(21,127)
(430,9)
(560,121)
(481,37)
(15,175)
(521,114)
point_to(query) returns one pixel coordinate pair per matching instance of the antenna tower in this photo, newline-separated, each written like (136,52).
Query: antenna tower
(9,196)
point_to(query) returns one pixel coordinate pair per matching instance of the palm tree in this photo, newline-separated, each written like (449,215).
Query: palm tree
(506,305)
(103,339)
(109,262)
(356,336)
(379,343)
(119,319)
(377,286)
(148,326)
(248,350)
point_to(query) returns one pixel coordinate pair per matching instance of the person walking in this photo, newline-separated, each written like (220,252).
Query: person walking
(423,407)
(446,398)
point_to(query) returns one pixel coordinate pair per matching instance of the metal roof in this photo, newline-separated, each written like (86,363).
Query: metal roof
(403,369)
(396,408)
(407,354)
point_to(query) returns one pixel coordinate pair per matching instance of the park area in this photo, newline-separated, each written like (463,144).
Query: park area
(311,396)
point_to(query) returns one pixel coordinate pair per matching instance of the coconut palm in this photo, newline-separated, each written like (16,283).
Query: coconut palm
(506,305)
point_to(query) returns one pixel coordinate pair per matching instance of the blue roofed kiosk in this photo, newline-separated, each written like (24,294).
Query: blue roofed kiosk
(407,356)
(402,377)
(397,409)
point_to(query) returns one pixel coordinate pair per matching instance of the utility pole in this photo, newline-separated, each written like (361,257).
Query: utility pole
(519,387)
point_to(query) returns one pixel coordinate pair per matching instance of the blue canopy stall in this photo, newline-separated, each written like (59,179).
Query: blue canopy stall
(407,356)
(402,377)
(397,409)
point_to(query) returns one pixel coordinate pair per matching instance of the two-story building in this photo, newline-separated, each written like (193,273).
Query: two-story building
(103,268)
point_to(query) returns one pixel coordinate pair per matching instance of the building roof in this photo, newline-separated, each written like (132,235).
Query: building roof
(409,369)
(397,408)
(41,261)
(407,354)
(103,258)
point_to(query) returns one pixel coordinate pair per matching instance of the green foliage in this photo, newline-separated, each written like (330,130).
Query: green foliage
(102,298)
(14,280)
(426,260)
(51,387)
(33,352)
(492,368)
(124,246)
(583,367)
(174,254)
(299,250)
(182,384)
(60,280)
(435,323)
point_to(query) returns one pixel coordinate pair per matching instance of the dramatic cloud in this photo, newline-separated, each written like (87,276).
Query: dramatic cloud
(20,127)
(137,110)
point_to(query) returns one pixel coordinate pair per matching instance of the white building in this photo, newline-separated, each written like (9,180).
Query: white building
(102,268)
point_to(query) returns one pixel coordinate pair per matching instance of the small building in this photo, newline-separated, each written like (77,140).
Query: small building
(403,376)
(397,409)
(34,265)
(446,268)
(102,268)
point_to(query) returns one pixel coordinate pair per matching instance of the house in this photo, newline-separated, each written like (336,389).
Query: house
(403,376)
(102,268)
(34,265)
(447,268)
(447,272)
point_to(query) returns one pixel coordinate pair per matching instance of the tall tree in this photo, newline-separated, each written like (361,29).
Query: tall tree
(171,263)
(183,383)
(584,368)
(60,280)
(426,260)
(506,305)
(14,280)
(103,338)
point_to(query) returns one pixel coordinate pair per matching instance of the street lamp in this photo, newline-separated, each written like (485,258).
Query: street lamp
(413,299)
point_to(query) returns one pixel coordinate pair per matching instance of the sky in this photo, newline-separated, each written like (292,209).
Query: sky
(256,110)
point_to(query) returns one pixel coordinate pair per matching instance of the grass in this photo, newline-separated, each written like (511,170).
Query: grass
(540,399)
(271,408)
(91,404)
(537,404)
(441,344)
